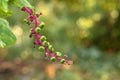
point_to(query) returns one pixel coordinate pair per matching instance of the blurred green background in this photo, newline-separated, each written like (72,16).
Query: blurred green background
(88,31)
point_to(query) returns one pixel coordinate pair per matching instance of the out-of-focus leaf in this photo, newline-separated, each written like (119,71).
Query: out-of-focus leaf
(6,36)
(4,12)
(21,3)
(11,1)
(4,5)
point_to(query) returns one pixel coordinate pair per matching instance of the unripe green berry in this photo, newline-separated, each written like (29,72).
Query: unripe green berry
(41,48)
(37,30)
(50,48)
(42,25)
(53,59)
(43,38)
(62,61)
(45,43)
(59,54)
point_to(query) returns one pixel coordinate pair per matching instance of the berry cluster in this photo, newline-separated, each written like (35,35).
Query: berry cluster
(41,40)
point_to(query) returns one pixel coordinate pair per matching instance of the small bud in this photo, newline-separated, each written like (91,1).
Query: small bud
(25,21)
(43,38)
(50,48)
(37,30)
(53,59)
(48,43)
(23,8)
(62,61)
(41,48)
(37,15)
(59,54)
(70,62)
(45,43)
(66,56)
(40,13)
(42,25)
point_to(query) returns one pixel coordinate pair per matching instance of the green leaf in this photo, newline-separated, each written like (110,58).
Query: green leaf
(4,12)
(4,5)
(6,36)
(21,3)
